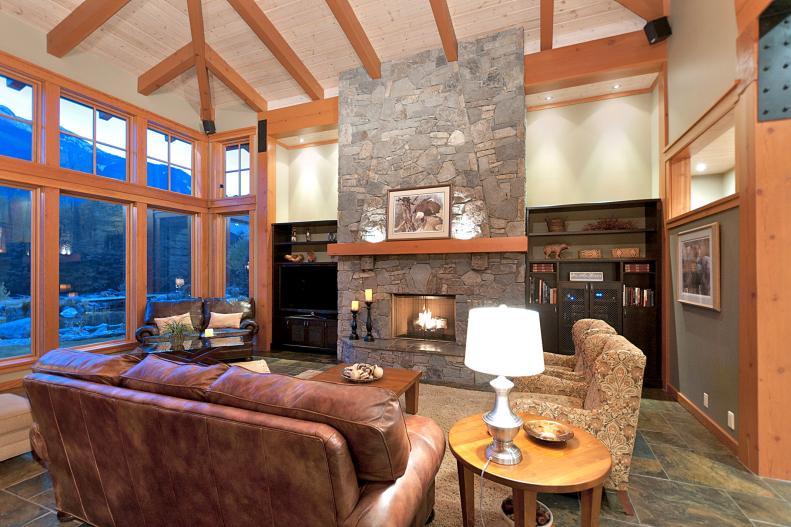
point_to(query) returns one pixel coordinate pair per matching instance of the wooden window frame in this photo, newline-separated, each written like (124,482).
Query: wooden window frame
(220,277)
(195,263)
(224,172)
(170,136)
(36,84)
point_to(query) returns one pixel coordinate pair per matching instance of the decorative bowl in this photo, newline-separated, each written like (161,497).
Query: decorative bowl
(549,431)
(367,373)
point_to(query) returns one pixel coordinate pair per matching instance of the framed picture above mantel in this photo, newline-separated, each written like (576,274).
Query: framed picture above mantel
(418,213)
(698,279)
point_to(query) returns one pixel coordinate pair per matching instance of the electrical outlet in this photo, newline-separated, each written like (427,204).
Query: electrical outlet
(705,399)
(731,421)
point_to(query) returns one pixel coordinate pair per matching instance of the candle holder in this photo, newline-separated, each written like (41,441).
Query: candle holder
(368,324)
(354,335)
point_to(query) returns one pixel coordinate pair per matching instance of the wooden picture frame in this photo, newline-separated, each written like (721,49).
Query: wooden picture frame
(418,213)
(698,278)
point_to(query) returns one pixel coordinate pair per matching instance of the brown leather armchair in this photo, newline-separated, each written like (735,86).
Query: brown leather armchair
(161,443)
(200,310)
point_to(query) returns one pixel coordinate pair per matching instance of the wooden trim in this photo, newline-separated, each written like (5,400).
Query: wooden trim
(594,61)
(167,70)
(316,116)
(511,244)
(223,71)
(585,100)
(262,219)
(13,384)
(715,207)
(719,432)
(748,11)
(50,127)
(277,45)
(80,23)
(230,205)
(445,27)
(679,185)
(648,10)
(547,14)
(239,135)
(202,254)
(350,25)
(306,145)
(48,307)
(137,271)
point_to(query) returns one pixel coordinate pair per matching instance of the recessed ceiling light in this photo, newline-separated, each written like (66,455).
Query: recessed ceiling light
(616,86)
(301,139)
(548,98)
(701,167)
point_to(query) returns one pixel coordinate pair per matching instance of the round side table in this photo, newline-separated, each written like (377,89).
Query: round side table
(580,465)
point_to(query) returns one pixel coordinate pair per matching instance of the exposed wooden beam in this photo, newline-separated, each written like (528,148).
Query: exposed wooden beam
(445,26)
(195,12)
(223,71)
(594,61)
(346,18)
(748,11)
(167,70)
(547,23)
(272,39)
(646,9)
(84,20)
(316,116)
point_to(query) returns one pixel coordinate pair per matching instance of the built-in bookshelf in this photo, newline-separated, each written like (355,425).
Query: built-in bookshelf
(613,274)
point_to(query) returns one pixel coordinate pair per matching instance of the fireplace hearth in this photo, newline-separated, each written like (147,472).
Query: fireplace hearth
(428,317)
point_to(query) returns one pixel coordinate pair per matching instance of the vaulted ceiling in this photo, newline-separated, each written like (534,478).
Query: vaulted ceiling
(142,33)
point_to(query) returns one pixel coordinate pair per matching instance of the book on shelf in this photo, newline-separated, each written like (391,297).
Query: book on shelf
(637,296)
(637,268)
(542,268)
(542,292)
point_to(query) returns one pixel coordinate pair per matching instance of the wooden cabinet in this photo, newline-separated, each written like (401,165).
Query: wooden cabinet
(306,333)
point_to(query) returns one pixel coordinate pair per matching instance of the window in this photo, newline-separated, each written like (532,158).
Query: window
(237,256)
(16,118)
(237,170)
(168,162)
(169,255)
(15,231)
(92,140)
(92,271)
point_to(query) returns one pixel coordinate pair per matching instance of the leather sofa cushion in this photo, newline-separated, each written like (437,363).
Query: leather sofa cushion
(169,308)
(369,418)
(93,367)
(157,375)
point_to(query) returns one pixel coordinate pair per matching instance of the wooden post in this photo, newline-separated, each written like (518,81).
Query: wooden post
(137,267)
(264,217)
(48,272)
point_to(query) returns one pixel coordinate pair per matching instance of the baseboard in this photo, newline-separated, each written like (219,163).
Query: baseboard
(721,434)
(13,384)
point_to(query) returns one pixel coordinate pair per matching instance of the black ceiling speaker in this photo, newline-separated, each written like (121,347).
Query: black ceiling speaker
(657,30)
(208,127)
(262,135)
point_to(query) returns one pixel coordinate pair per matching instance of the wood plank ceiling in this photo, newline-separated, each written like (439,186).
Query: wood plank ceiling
(144,32)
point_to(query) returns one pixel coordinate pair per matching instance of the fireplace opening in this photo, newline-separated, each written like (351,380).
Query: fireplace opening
(431,317)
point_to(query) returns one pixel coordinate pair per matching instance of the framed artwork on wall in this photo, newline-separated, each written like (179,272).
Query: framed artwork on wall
(699,266)
(418,213)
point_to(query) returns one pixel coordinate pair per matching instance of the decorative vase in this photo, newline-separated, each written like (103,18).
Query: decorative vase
(556,224)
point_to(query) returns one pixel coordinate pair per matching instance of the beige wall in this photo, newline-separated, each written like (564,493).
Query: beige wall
(307,183)
(29,43)
(599,151)
(701,59)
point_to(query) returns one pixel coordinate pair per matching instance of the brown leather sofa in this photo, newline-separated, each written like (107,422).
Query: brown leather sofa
(200,310)
(159,443)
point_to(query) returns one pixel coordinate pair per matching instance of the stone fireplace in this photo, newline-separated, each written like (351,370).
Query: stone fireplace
(429,122)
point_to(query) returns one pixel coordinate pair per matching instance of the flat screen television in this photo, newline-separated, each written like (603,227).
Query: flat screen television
(312,287)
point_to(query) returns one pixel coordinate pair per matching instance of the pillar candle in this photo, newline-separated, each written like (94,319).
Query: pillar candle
(355,305)
(369,295)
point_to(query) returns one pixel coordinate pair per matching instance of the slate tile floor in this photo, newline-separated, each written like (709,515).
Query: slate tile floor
(681,476)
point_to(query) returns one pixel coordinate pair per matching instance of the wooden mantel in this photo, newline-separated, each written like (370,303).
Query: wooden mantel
(509,244)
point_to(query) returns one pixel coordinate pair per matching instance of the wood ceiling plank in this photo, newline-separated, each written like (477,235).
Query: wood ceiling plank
(348,21)
(223,71)
(646,9)
(84,20)
(445,27)
(595,61)
(272,39)
(167,70)
(547,23)
(195,10)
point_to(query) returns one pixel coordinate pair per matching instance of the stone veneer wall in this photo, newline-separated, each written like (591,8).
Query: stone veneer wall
(430,122)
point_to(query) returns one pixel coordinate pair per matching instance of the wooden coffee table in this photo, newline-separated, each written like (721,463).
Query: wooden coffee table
(397,380)
(581,465)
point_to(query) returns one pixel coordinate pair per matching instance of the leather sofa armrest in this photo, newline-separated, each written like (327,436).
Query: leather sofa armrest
(146,331)
(250,325)
(37,445)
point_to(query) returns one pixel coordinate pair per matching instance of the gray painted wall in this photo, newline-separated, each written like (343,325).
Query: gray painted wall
(704,345)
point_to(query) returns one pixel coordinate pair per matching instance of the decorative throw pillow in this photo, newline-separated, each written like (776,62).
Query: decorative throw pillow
(225,320)
(162,323)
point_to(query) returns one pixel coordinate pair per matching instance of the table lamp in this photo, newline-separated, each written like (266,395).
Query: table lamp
(504,341)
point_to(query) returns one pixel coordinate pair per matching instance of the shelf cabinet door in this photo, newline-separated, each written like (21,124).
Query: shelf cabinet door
(572,306)
(606,303)
(297,331)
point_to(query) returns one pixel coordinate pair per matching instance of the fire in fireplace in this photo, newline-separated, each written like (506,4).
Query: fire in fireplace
(431,317)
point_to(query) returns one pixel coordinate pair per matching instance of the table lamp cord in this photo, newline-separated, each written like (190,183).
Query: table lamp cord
(480,499)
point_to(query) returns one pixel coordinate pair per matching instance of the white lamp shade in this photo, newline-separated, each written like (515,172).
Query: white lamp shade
(504,341)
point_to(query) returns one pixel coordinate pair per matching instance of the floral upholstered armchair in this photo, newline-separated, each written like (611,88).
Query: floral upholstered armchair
(608,408)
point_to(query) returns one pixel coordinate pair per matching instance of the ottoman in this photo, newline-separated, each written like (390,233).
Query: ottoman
(15,422)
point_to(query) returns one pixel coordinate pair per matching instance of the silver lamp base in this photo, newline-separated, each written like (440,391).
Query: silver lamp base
(503,426)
